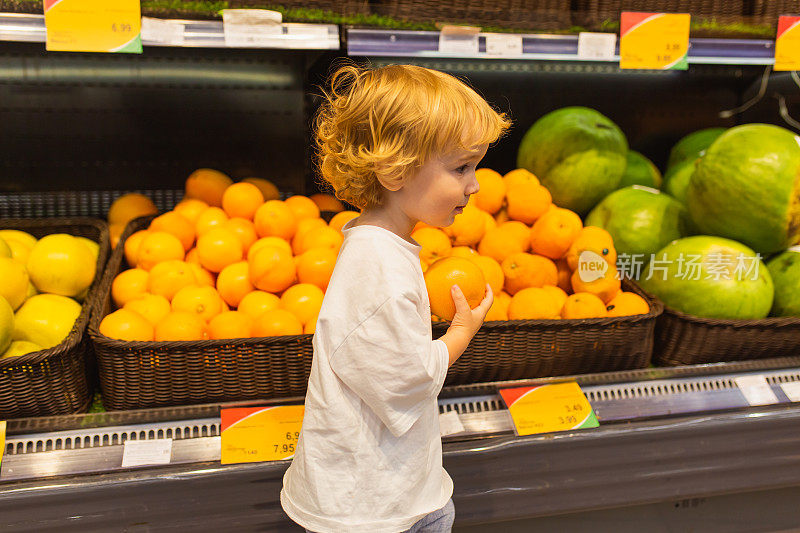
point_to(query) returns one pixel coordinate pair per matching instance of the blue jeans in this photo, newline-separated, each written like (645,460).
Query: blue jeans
(440,521)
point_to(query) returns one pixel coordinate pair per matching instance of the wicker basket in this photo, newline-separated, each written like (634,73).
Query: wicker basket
(768,11)
(593,13)
(511,14)
(341,7)
(135,375)
(520,349)
(54,381)
(76,203)
(683,339)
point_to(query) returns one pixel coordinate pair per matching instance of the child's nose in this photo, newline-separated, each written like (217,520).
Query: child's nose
(473,186)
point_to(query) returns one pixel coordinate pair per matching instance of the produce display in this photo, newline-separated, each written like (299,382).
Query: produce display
(44,282)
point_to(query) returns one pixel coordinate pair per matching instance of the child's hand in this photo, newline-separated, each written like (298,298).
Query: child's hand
(466,322)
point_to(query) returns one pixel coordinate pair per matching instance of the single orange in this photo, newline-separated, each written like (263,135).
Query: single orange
(230,325)
(233,283)
(492,271)
(302,207)
(129,285)
(303,227)
(241,200)
(168,277)
(176,224)
(205,302)
(435,244)
(492,191)
(595,240)
(158,246)
(272,269)
(219,248)
(499,308)
(310,327)
(274,218)
(627,303)
(316,267)
(527,202)
(327,202)
(303,300)
(583,305)
(534,303)
(268,189)
(340,219)
(130,206)
(443,274)
(132,244)
(321,237)
(208,185)
(554,232)
(152,307)
(558,294)
(126,325)
(242,228)
(203,276)
(468,227)
(268,241)
(255,303)
(523,270)
(520,231)
(213,217)
(499,243)
(275,323)
(605,287)
(518,176)
(180,326)
(191,209)
(463,251)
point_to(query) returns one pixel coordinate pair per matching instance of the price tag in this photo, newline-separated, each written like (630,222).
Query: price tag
(450,423)
(547,408)
(654,41)
(787,44)
(146,452)
(792,390)
(157,31)
(459,40)
(254,434)
(93,25)
(756,390)
(501,45)
(251,28)
(596,46)
(2,439)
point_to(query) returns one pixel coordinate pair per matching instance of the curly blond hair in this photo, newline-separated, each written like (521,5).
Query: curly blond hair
(376,126)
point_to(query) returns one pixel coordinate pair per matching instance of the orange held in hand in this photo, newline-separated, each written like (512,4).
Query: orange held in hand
(443,274)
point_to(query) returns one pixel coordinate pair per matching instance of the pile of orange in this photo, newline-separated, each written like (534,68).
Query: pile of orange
(538,258)
(231,260)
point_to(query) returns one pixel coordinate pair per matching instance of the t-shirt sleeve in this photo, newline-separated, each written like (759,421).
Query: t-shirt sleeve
(392,364)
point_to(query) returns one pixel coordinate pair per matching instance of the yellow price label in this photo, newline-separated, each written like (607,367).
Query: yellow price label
(657,41)
(548,408)
(2,440)
(787,44)
(255,434)
(93,25)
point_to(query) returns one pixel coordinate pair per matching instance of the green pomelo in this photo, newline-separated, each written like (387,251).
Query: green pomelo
(785,271)
(641,220)
(676,179)
(747,188)
(5,249)
(18,348)
(710,277)
(46,319)
(693,145)
(6,324)
(578,154)
(640,171)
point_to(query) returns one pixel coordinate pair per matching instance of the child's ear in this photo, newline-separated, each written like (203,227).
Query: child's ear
(391,182)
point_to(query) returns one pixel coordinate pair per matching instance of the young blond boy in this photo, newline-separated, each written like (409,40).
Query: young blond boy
(402,143)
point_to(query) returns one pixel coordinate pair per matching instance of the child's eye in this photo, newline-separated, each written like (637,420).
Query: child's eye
(462,169)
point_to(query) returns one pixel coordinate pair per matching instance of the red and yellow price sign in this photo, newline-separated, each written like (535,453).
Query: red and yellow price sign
(2,440)
(787,44)
(548,408)
(93,25)
(657,41)
(255,434)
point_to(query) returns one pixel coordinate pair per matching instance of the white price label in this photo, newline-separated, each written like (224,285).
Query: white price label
(251,28)
(459,40)
(159,31)
(503,45)
(596,46)
(146,452)
(450,423)
(792,390)
(756,390)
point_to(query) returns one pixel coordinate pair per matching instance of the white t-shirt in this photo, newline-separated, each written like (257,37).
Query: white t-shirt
(369,457)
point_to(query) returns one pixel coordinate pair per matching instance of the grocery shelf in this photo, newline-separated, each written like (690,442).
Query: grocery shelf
(197,33)
(398,43)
